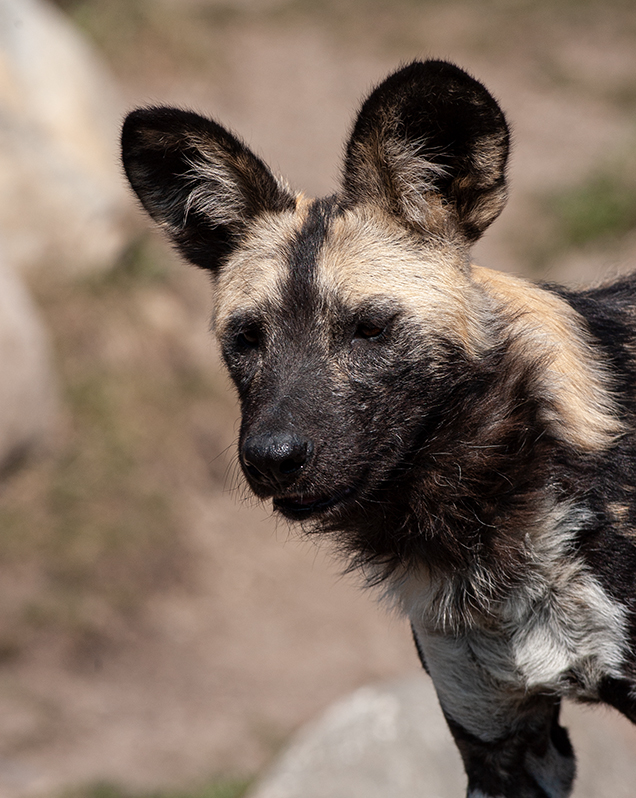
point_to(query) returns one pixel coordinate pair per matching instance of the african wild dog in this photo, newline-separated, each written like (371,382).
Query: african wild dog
(467,437)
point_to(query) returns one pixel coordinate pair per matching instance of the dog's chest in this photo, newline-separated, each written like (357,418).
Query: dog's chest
(557,633)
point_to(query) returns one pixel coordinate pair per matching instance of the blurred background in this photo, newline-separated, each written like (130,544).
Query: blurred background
(160,633)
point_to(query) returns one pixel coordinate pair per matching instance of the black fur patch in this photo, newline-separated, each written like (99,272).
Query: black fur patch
(503,768)
(302,254)
(609,481)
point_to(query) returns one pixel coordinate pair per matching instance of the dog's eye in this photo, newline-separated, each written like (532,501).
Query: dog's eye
(368,331)
(249,337)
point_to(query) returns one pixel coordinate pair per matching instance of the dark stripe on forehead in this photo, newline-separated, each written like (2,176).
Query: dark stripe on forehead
(305,247)
(299,289)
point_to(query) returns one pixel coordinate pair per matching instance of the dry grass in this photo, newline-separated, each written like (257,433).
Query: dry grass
(222,788)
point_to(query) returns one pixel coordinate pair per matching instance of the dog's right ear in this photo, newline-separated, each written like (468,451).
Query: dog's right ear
(198,181)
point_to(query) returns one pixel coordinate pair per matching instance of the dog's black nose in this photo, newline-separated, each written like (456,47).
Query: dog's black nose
(275,459)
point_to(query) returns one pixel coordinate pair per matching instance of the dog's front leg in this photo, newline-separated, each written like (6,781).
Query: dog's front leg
(533,760)
(511,743)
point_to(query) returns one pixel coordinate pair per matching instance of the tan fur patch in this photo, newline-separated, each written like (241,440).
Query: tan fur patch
(575,380)
(367,256)
(620,513)
(254,273)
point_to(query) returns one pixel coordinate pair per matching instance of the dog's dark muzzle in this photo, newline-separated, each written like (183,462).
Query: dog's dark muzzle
(274,460)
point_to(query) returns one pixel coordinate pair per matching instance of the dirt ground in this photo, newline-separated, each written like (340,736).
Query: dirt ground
(220,666)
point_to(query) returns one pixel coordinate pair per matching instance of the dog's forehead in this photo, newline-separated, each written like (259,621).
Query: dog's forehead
(253,276)
(321,254)
(367,254)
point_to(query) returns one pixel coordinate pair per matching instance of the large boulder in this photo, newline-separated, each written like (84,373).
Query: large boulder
(391,741)
(62,200)
(382,741)
(28,389)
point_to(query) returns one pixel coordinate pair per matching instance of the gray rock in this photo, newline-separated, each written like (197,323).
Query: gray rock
(28,389)
(391,741)
(62,199)
(383,741)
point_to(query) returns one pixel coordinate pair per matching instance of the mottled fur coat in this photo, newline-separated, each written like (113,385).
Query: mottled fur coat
(465,436)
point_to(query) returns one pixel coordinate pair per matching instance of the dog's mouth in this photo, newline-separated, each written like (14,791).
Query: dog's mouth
(303,505)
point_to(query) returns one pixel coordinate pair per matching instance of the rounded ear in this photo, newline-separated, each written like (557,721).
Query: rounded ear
(201,183)
(430,146)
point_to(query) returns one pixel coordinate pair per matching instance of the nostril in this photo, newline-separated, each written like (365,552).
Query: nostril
(298,455)
(291,465)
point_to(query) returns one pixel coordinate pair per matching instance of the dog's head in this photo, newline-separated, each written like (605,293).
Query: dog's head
(344,320)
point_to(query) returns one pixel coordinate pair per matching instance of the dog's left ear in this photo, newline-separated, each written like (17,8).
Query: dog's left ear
(430,145)
(198,180)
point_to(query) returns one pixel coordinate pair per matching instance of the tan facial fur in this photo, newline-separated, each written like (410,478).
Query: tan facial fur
(255,271)
(368,255)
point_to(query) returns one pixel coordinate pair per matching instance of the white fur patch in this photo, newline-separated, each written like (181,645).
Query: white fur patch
(222,205)
(558,632)
(563,621)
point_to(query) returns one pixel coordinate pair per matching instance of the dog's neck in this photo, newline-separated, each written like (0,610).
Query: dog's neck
(575,383)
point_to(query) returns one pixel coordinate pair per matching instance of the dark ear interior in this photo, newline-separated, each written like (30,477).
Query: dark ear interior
(201,183)
(430,145)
